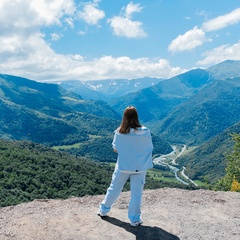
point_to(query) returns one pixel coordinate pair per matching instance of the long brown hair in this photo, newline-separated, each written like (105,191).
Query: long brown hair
(129,120)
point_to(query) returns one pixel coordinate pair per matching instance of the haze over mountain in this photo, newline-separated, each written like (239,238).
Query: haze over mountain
(226,69)
(107,90)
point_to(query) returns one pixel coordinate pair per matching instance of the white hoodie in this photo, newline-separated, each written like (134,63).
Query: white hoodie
(134,150)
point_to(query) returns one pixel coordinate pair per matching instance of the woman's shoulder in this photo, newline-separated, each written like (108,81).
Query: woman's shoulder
(116,130)
(139,131)
(143,128)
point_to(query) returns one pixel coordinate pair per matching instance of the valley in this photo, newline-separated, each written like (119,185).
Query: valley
(169,161)
(192,118)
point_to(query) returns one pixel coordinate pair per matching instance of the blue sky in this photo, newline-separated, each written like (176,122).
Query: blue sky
(54,40)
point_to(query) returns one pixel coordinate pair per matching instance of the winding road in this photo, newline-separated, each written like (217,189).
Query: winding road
(169,160)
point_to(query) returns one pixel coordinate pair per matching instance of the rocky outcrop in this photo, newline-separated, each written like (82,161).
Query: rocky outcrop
(167,214)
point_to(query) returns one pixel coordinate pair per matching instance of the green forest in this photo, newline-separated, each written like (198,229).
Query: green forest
(31,171)
(231,180)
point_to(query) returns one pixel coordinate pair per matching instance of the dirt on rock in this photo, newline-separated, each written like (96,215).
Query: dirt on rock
(168,214)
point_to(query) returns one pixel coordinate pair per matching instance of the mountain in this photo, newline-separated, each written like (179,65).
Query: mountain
(49,99)
(107,90)
(226,69)
(213,109)
(190,108)
(47,113)
(156,102)
(208,161)
(84,90)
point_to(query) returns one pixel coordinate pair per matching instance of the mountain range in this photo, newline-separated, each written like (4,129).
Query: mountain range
(107,90)
(46,113)
(210,111)
(157,101)
(191,108)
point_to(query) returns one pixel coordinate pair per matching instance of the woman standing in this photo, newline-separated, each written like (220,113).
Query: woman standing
(133,144)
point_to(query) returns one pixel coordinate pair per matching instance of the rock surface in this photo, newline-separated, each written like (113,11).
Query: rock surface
(168,214)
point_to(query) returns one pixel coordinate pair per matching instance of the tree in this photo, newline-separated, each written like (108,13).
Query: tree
(231,181)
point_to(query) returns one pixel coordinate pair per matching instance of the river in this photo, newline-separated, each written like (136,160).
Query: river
(169,160)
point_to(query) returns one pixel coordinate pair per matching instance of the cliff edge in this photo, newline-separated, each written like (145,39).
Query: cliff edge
(168,214)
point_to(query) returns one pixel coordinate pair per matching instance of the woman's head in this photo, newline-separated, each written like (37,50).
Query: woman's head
(129,120)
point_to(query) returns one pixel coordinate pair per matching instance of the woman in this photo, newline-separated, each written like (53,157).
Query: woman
(133,143)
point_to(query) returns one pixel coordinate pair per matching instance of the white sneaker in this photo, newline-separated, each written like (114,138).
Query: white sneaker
(102,214)
(137,223)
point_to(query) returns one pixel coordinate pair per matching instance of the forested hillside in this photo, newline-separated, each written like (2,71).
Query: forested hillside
(208,161)
(212,110)
(31,171)
(46,113)
(49,99)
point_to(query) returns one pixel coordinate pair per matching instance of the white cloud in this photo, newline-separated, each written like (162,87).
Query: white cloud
(222,21)
(132,8)
(202,13)
(23,49)
(70,22)
(91,14)
(81,33)
(123,26)
(188,41)
(219,54)
(24,14)
(21,20)
(125,67)
(24,52)
(44,65)
(55,37)
(197,36)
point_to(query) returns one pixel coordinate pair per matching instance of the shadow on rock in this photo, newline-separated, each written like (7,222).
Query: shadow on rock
(143,232)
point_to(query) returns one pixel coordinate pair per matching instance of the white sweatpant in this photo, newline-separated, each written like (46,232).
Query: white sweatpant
(119,179)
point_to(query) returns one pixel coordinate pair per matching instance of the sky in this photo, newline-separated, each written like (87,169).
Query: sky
(57,40)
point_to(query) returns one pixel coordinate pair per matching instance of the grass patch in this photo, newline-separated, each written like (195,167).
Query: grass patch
(199,183)
(164,176)
(94,136)
(76,145)
(64,147)
(156,174)
(189,149)
(73,99)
